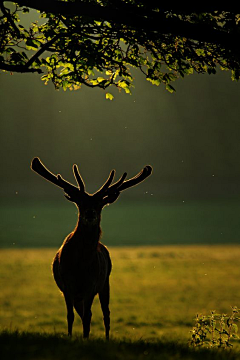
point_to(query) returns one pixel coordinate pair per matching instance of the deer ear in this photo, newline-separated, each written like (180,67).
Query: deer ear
(109,199)
(69,198)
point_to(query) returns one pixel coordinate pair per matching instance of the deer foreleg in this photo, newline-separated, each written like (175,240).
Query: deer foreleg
(104,297)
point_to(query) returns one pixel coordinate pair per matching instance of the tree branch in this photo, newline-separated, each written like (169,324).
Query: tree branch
(6,14)
(18,68)
(41,51)
(150,21)
(26,67)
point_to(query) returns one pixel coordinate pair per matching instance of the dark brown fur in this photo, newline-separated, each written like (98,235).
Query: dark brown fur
(82,265)
(81,269)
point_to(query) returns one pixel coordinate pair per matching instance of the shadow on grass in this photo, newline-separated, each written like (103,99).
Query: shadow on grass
(27,345)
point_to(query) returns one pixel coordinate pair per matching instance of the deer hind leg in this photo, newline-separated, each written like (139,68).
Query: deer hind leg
(78,306)
(87,316)
(104,297)
(70,313)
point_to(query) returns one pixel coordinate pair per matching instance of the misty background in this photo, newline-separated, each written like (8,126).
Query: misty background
(191,138)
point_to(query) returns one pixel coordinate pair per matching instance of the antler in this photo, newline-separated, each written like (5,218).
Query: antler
(78,178)
(106,185)
(141,176)
(108,193)
(111,193)
(71,190)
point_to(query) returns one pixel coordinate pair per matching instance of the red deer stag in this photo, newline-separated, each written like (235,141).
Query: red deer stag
(82,265)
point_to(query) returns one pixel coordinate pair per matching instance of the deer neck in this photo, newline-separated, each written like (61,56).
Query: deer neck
(88,235)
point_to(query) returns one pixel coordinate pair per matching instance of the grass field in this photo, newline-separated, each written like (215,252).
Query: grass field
(155,294)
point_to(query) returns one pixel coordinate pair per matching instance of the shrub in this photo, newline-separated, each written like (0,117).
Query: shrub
(215,330)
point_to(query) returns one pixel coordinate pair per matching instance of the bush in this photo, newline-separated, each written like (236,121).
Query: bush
(215,330)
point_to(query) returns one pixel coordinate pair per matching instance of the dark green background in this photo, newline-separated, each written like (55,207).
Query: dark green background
(191,138)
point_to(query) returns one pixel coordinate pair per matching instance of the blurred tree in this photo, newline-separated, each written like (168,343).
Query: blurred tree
(96,42)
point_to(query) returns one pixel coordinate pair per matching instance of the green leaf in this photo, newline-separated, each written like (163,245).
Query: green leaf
(109,96)
(154,81)
(94,82)
(25,10)
(170,88)
(100,79)
(65,85)
(44,77)
(200,52)
(32,44)
(90,72)
(211,70)
(235,328)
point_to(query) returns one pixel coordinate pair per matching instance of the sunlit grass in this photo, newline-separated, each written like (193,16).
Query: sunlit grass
(155,291)
(155,294)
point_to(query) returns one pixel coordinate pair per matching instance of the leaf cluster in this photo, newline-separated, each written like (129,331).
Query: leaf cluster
(215,330)
(96,43)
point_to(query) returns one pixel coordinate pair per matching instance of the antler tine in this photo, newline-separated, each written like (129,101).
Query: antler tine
(78,178)
(142,175)
(41,170)
(67,186)
(112,192)
(106,184)
(118,183)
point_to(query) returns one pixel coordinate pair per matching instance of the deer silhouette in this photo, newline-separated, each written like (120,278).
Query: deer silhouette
(82,265)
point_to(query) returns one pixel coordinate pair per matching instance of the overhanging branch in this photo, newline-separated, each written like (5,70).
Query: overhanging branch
(149,22)
(19,68)
(41,51)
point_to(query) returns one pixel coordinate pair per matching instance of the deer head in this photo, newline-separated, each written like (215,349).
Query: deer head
(90,205)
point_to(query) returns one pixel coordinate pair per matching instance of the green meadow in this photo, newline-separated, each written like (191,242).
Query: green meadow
(157,287)
(155,294)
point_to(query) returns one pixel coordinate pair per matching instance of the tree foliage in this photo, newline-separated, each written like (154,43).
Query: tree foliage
(97,42)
